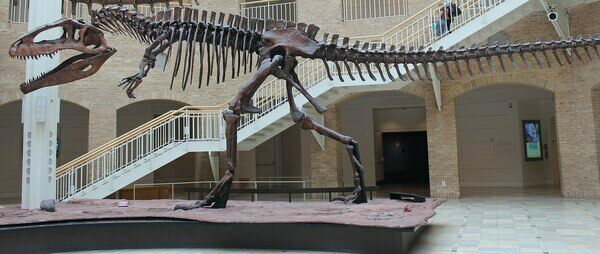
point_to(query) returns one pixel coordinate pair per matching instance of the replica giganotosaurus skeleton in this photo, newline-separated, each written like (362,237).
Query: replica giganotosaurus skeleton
(277,45)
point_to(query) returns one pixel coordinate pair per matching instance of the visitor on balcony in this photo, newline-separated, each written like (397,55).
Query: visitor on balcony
(440,23)
(451,11)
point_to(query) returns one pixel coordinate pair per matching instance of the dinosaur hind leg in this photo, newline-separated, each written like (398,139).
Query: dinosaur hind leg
(359,195)
(219,196)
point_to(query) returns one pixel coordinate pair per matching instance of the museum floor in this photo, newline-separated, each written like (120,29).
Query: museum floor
(498,220)
(513,220)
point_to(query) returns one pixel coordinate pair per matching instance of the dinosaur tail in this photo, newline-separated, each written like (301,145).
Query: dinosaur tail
(370,55)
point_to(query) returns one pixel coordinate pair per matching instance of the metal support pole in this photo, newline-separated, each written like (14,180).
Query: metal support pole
(40,116)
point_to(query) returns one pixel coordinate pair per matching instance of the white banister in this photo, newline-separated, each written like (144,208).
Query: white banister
(273,9)
(146,140)
(371,9)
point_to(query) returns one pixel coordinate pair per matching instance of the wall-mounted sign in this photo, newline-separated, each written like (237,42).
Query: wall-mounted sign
(532,138)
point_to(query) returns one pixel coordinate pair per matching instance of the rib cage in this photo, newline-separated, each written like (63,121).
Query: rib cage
(234,41)
(221,41)
(216,37)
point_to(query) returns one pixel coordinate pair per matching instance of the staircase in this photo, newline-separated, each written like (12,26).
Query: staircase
(139,152)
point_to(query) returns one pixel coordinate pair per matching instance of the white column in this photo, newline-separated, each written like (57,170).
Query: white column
(40,116)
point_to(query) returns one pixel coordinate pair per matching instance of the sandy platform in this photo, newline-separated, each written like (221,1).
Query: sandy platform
(383,213)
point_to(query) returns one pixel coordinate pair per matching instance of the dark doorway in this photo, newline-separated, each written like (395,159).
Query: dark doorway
(405,158)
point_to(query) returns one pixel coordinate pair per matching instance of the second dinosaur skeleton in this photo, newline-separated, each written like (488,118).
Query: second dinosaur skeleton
(227,44)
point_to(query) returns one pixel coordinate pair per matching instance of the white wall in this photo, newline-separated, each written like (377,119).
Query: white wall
(490,137)
(288,152)
(365,117)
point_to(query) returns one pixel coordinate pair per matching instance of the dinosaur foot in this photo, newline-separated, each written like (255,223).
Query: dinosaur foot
(130,84)
(189,207)
(357,197)
(210,202)
(217,198)
(247,108)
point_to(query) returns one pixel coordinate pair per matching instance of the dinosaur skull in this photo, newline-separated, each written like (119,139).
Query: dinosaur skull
(76,35)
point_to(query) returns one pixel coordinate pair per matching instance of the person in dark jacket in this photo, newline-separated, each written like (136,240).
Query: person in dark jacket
(451,10)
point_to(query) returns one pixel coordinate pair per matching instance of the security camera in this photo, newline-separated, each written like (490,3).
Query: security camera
(552,14)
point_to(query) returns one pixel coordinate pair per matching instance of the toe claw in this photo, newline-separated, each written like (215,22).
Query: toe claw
(180,207)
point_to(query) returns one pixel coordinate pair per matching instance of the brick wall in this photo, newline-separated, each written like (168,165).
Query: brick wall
(326,165)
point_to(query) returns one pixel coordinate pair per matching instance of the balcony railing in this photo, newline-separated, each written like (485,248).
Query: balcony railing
(80,10)
(147,10)
(286,10)
(370,9)
(19,11)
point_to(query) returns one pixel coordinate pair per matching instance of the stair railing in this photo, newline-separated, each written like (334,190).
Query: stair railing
(144,142)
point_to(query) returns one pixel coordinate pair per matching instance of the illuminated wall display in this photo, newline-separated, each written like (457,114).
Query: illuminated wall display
(532,138)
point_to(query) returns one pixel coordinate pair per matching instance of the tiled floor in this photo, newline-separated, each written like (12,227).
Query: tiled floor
(513,220)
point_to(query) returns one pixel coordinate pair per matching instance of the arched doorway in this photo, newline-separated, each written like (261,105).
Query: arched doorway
(182,169)
(11,152)
(73,130)
(507,139)
(596,107)
(391,129)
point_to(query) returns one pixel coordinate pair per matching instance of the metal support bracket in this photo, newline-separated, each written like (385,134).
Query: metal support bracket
(213,157)
(321,119)
(561,23)
(437,88)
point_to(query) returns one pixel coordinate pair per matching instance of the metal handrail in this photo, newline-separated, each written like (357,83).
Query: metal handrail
(177,126)
(305,184)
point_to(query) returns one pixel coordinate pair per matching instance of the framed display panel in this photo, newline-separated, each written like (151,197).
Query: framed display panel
(532,140)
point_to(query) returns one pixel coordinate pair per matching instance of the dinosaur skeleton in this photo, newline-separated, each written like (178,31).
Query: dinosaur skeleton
(221,42)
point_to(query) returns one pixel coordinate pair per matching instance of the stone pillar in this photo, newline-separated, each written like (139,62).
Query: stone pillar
(442,145)
(41,111)
(577,145)
(102,126)
(325,165)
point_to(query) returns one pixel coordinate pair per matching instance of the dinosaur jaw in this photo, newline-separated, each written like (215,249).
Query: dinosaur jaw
(76,35)
(75,68)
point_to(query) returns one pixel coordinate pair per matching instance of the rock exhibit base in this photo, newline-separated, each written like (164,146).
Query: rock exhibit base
(380,226)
